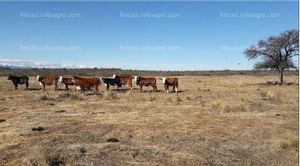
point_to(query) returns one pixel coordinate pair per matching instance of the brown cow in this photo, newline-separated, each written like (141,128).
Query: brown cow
(66,81)
(126,79)
(170,82)
(47,80)
(143,81)
(86,83)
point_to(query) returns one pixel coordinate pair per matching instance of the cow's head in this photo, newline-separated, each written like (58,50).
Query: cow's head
(114,76)
(60,79)
(135,78)
(77,88)
(75,79)
(39,80)
(138,79)
(9,77)
(163,80)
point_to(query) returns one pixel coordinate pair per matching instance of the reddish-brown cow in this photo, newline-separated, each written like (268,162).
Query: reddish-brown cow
(47,80)
(170,82)
(143,81)
(86,83)
(126,79)
(67,81)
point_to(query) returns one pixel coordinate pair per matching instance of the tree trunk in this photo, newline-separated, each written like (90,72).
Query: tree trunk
(281,77)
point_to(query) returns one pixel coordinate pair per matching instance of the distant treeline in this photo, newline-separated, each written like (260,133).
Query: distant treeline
(110,71)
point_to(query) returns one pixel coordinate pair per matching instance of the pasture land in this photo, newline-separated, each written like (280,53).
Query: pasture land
(214,120)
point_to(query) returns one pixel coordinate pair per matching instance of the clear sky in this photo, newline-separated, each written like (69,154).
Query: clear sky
(140,35)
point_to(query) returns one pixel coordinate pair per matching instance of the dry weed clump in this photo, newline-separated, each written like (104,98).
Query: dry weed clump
(235,108)
(76,97)
(37,157)
(71,96)
(64,95)
(226,107)
(178,99)
(174,99)
(152,98)
(129,93)
(290,143)
(46,98)
(188,98)
(276,95)
(110,95)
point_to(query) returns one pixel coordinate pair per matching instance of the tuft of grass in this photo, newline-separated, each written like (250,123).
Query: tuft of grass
(64,95)
(188,98)
(169,99)
(44,97)
(110,95)
(152,98)
(276,96)
(75,97)
(234,108)
(229,107)
(291,143)
(178,99)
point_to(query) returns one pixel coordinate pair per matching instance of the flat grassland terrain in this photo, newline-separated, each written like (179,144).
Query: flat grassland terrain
(214,120)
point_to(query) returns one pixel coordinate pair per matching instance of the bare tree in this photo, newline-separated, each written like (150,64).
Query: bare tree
(277,52)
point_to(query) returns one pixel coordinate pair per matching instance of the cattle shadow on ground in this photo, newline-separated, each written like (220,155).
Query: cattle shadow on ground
(171,91)
(266,84)
(151,91)
(119,90)
(179,91)
(63,89)
(33,89)
(92,93)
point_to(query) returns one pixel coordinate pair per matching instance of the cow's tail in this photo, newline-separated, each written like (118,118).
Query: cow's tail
(177,86)
(100,81)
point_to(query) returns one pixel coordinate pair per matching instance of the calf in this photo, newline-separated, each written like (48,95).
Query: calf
(112,81)
(47,80)
(143,81)
(67,81)
(86,83)
(126,79)
(170,82)
(19,80)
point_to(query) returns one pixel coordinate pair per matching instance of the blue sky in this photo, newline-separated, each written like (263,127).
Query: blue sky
(130,35)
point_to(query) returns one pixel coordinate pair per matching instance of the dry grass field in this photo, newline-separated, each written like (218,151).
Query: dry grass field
(214,120)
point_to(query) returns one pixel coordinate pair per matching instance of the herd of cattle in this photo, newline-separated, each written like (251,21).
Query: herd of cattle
(87,83)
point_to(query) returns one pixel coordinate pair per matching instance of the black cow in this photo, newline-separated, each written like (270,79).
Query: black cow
(112,81)
(19,80)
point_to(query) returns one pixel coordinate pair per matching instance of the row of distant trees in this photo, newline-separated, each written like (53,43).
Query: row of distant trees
(276,52)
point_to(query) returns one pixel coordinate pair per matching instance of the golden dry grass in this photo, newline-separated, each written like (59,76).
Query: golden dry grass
(215,120)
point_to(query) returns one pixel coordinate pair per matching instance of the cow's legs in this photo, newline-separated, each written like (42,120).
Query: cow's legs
(44,87)
(176,88)
(16,86)
(66,86)
(97,89)
(107,87)
(81,89)
(55,86)
(154,88)
(167,88)
(27,85)
(130,85)
(141,88)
